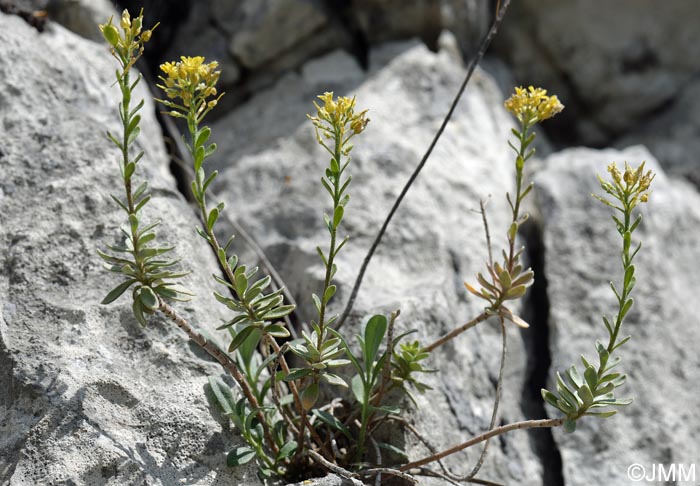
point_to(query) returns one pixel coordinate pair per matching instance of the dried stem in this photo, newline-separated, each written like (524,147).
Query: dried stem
(457,331)
(497,400)
(527,424)
(472,67)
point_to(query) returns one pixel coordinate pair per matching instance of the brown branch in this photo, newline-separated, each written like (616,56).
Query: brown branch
(527,424)
(224,360)
(470,71)
(457,331)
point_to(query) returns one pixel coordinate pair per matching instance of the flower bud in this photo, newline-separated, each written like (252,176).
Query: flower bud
(126,20)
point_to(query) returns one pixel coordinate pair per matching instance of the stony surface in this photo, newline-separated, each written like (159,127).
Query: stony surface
(82,16)
(270,164)
(87,396)
(259,41)
(614,64)
(673,136)
(582,255)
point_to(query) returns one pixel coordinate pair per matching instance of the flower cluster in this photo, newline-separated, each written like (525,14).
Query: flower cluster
(127,47)
(532,105)
(193,82)
(630,187)
(336,118)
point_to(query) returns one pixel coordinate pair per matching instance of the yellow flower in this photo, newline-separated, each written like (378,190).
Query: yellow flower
(532,105)
(193,81)
(629,188)
(337,115)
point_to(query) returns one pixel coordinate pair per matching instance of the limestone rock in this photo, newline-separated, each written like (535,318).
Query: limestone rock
(582,252)
(88,396)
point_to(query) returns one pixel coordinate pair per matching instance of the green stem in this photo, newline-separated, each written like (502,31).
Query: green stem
(331,250)
(193,126)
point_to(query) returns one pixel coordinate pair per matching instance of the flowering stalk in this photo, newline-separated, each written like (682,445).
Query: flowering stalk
(137,259)
(192,84)
(580,394)
(507,280)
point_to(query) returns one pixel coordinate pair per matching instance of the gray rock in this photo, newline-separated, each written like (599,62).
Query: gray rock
(582,255)
(82,16)
(330,480)
(613,64)
(87,396)
(273,27)
(673,136)
(382,20)
(270,164)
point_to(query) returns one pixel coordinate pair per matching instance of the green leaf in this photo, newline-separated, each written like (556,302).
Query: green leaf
(202,136)
(129,170)
(333,422)
(309,396)
(605,414)
(626,308)
(620,402)
(149,298)
(317,302)
(357,385)
(394,450)
(240,456)
(142,203)
(386,409)
(338,215)
(574,377)
(210,150)
(249,345)
(223,394)
(241,283)
(549,397)
(133,135)
(591,376)
(277,330)
(119,203)
(629,275)
(565,393)
(242,335)
(375,329)
(133,124)
(297,373)
(329,293)
(334,379)
(602,354)
(569,425)
(198,158)
(585,394)
(116,292)
(279,312)
(287,450)
(137,309)
(211,220)
(349,354)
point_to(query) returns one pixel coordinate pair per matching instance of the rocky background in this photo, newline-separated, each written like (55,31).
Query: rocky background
(89,397)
